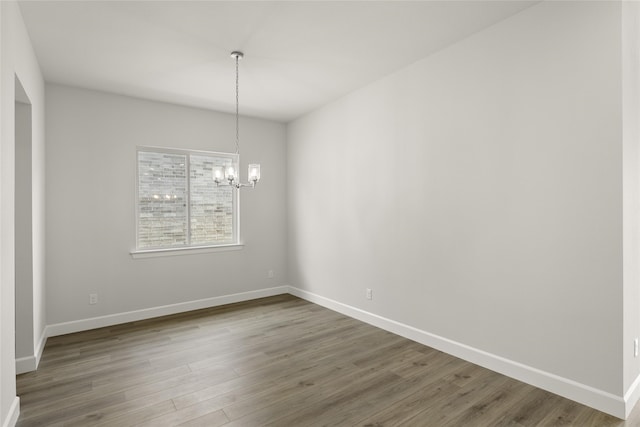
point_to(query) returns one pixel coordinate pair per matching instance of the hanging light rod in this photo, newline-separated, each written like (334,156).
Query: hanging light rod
(230,172)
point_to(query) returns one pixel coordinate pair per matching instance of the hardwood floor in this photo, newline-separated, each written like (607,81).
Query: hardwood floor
(277,361)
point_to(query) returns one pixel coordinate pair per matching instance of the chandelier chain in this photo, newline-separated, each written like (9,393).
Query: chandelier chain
(228,175)
(237,109)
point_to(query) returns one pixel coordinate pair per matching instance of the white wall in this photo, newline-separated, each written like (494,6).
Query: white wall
(478,192)
(631,192)
(91,160)
(18,59)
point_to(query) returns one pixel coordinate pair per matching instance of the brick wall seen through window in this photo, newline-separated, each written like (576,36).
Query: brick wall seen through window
(178,204)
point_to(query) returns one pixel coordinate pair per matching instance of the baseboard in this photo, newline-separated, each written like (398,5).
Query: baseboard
(595,398)
(14,413)
(25,364)
(617,406)
(30,363)
(632,396)
(148,313)
(41,344)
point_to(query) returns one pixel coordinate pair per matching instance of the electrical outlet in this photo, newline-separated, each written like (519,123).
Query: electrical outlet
(635,347)
(270,274)
(93,299)
(369,294)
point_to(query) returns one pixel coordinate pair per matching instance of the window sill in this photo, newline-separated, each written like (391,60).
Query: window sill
(152,253)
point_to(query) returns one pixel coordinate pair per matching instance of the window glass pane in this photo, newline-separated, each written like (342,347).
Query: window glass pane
(162,203)
(211,206)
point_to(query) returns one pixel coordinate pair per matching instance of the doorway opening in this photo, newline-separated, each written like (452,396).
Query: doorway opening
(23,239)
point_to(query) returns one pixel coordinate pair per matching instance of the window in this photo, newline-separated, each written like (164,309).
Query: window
(177,203)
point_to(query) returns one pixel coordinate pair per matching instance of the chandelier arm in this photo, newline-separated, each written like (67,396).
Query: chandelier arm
(242,184)
(236,185)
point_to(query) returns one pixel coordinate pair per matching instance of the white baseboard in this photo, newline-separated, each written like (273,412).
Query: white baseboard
(25,364)
(632,396)
(30,363)
(40,346)
(148,313)
(14,413)
(582,393)
(617,406)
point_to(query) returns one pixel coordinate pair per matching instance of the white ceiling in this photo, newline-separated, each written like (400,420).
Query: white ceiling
(299,55)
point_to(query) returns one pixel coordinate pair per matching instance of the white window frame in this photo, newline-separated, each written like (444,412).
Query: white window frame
(187,248)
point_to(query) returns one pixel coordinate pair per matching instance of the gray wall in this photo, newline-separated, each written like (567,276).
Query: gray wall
(17,60)
(478,192)
(631,188)
(91,161)
(24,233)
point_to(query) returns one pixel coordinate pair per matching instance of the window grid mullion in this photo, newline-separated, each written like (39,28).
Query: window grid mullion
(188,190)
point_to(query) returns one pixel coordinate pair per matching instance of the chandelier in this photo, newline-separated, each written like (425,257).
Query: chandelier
(228,175)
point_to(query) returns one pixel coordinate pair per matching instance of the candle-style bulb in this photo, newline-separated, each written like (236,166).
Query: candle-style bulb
(218,174)
(254,173)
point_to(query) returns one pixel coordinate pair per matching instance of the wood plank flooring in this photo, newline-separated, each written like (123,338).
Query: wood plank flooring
(277,361)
